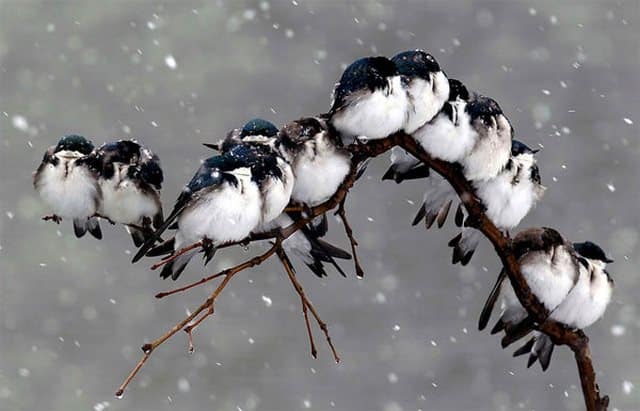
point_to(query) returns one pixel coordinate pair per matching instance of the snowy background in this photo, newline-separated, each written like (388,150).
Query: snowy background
(73,314)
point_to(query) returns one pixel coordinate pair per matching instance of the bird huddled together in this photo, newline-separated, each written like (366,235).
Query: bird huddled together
(265,179)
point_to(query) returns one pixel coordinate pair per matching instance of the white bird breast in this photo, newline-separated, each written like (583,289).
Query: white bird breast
(277,192)
(73,195)
(426,98)
(448,140)
(588,299)
(317,177)
(226,213)
(123,202)
(373,115)
(491,152)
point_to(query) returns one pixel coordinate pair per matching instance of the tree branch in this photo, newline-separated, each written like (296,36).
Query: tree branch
(576,340)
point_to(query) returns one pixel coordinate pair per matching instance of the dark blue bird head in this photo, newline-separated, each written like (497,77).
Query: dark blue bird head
(151,173)
(368,73)
(483,107)
(415,63)
(296,133)
(457,90)
(259,127)
(591,251)
(74,142)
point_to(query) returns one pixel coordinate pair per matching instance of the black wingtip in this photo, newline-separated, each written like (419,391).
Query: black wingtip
(212,146)
(459,219)
(420,215)
(525,349)
(390,174)
(499,326)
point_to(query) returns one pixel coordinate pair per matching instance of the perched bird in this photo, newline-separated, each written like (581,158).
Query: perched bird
(130,178)
(443,129)
(69,186)
(319,162)
(256,132)
(551,268)
(426,84)
(320,165)
(508,198)
(229,197)
(369,100)
(584,305)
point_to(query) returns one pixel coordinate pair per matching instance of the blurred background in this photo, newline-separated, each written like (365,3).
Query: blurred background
(73,314)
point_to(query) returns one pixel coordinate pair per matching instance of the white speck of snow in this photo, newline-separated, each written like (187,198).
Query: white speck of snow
(151,25)
(618,330)
(251,340)
(184,385)
(370,219)
(154,124)
(20,123)
(566,394)
(563,84)
(249,14)
(306,403)
(628,120)
(112,301)
(267,301)
(396,327)
(433,343)
(171,62)
(381,298)
(553,19)
(392,377)
(611,187)
(533,11)
(289,33)
(10,215)
(101,406)
(546,92)
(627,387)
(24,372)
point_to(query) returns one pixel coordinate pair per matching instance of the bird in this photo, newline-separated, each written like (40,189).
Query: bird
(426,85)
(320,164)
(550,267)
(507,199)
(130,178)
(227,199)
(257,132)
(583,306)
(69,186)
(369,101)
(442,127)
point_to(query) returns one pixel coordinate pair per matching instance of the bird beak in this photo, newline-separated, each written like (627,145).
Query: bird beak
(212,146)
(608,260)
(535,151)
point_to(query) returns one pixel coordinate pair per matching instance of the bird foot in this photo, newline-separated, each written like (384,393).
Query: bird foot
(53,217)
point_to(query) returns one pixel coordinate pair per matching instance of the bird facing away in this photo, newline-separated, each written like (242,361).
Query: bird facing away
(69,186)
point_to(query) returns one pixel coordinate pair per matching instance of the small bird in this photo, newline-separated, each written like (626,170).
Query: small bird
(426,84)
(507,198)
(228,198)
(583,306)
(319,162)
(369,100)
(69,186)
(130,178)
(257,132)
(550,266)
(443,129)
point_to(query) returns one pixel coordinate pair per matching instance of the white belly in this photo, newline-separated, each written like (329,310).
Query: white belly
(123,202)
(426,100)
(277,193)
(374,115)
(445,139)
(317,180)
(226,214)
(72,196)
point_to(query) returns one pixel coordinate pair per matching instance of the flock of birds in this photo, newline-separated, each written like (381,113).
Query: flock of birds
(260,170)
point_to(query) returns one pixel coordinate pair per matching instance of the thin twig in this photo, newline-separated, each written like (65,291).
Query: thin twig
(307,303)
(347,229)
(291,273)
